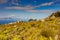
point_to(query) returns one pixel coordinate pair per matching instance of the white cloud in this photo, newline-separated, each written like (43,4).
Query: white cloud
(15,2)
(3,1)
(56,0)
(45,4)
(40,11)
(28,7)
(35,1)
(12,2)
(10,15)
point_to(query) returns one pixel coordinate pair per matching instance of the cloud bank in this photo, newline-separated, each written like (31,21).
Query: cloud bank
(3,1)
(27,8)
(30,8)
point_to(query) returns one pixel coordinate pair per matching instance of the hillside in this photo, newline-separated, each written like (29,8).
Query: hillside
(56,14)
(49,29)
(53,16)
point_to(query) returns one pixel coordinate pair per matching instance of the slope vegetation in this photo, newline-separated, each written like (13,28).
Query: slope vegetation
(49,29)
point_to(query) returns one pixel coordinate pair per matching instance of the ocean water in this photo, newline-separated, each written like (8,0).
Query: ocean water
(10,21)
(7,21)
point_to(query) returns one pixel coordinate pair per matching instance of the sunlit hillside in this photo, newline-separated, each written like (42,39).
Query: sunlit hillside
(46,29)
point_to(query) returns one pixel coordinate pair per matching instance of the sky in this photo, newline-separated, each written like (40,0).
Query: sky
(28,9)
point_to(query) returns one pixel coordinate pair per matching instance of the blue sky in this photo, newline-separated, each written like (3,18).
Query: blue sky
(26,9)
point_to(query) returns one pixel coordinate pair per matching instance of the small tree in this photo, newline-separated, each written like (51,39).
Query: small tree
(32,19)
